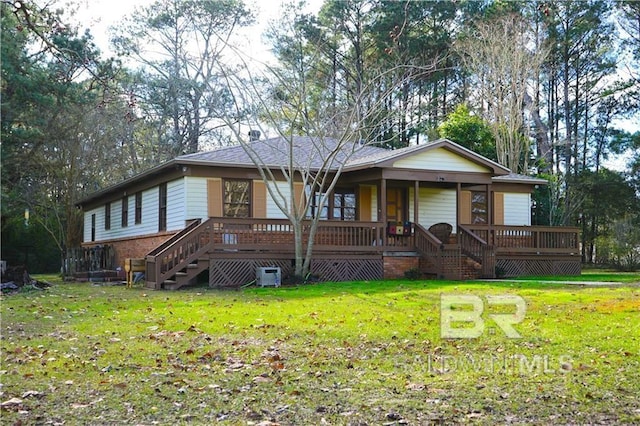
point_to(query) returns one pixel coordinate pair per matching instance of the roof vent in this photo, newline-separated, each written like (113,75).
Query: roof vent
(254,135)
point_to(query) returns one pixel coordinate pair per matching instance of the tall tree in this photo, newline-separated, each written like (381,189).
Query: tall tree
(469,131)
(180,44)
(54,131)
(498,53)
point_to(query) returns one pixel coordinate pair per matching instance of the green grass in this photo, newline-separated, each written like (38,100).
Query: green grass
(348,353)
(592,275)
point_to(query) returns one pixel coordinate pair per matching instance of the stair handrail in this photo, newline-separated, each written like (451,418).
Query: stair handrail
(429,246)
(477,249)
(183,250)
(175,237)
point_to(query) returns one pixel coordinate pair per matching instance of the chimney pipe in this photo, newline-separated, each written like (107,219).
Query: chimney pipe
(254,135)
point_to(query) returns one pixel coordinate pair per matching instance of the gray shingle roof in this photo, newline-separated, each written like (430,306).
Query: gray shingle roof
(309,152)
(518,178)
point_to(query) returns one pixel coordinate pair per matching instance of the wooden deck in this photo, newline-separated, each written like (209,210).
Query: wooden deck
(352,250)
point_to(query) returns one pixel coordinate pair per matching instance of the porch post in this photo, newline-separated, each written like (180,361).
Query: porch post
(458,190)
(382,209)
(490,219)
(416,204)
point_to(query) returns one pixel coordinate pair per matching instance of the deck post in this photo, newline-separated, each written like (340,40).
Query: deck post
(416,199)
(458,191)
(383,209)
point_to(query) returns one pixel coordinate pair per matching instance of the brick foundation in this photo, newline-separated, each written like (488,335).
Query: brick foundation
(396,265)
(134,247)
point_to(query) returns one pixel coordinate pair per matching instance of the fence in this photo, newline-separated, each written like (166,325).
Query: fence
(89,259)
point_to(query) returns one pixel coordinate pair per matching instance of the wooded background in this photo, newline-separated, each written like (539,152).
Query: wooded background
(547,88)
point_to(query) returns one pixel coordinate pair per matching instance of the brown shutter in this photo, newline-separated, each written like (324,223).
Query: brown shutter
(214,197)
(298,189)
(364,204)
(464,209)
(498,208)
(259,202)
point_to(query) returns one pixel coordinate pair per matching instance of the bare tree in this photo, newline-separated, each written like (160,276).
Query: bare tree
(499,54)
(179,44)
(276,101)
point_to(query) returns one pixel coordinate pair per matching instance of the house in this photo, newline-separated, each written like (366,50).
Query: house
(436,207)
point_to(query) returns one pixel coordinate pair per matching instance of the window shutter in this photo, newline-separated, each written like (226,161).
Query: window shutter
(259,202)
(464,209)
(298,189)
(364,203)
(498,208)
(214,197)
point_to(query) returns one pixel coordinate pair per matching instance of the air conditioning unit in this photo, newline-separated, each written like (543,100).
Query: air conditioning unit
(268,276)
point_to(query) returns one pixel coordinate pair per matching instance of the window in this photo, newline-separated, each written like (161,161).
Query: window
(107,216)
(236,198)
(344,205)
(125,212)
(162,207)
(315,202)
(138,208)
(479,207)
(93,227)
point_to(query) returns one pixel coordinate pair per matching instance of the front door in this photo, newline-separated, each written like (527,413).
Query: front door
(396,205)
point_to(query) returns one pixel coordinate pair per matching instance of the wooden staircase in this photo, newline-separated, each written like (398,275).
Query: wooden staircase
(467,258)
(187,276)
(178,261)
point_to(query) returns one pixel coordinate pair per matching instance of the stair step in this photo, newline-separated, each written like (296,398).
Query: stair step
(173,286)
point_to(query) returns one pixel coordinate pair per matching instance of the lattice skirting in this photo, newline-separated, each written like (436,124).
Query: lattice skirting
(237,272)
(348,269)
(514,267)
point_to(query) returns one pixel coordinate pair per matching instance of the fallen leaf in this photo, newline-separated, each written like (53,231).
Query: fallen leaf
(415,386)
(76,405)
(32,394)
(13,402)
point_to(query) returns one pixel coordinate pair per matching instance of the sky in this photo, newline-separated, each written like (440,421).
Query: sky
(99,15)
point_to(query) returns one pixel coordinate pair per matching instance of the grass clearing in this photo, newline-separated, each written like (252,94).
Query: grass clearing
(333,353)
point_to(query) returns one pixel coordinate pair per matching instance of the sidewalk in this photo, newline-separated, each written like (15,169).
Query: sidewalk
(580,283)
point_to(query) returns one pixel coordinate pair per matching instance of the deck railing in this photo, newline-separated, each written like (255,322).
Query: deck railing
(277,235)
(529,239)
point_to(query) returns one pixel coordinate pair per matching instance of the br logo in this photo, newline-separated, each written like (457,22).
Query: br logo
(461,315)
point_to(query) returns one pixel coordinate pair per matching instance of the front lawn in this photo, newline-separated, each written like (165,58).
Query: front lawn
(347,353)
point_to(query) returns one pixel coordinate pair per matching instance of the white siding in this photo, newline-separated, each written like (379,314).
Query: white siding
(99,212)
(176,217)
(517,209)
(273,211)
(195,196)
(435,205)
(439,159)
(176,203)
